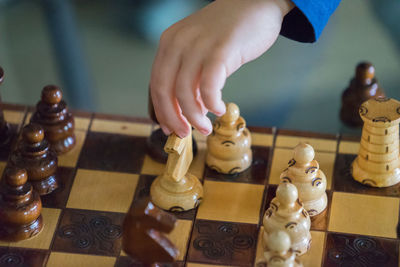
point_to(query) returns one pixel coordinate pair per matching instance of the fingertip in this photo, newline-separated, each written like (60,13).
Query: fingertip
(220,109)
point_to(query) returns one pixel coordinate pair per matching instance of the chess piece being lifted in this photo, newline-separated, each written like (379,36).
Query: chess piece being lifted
(20,207)
(144,230)
(362,87)
(34,155)
(278,252)
(310,181)
(378,162)
(156,142)
(229,145)
(5,129)
(176,189)
(52,114)
(287,213)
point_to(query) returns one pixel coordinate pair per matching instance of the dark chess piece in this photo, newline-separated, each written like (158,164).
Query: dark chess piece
(34,155)
(144,230)
(20,207)
(52,113)
(156,141)
(362,87)
(5,129)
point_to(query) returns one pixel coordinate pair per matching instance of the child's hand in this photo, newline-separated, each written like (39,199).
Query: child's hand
(198,53)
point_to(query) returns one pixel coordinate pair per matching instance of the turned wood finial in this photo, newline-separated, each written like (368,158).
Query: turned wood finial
(232,113)
(279,241)
(16,177)
(33,133)
(51,94)
(303,153)
(365,72)
(287,194)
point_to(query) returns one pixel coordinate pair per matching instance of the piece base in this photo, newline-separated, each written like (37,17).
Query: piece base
(21,232)
(64,145)
(185,196)
(45,186)
(316,207)
(155,146)
(231,167)
(374,179)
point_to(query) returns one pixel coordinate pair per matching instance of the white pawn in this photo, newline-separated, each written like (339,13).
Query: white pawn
(305,174)
(286,213)
(279,253)
(229,145)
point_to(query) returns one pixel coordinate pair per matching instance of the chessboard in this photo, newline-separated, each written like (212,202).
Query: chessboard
(109,168)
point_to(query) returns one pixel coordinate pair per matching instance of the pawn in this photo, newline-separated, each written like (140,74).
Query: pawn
(305,174)
(278,253)
(287,213)
(20,207)
(34,155)
(229,145)
(52,114)
(362,87)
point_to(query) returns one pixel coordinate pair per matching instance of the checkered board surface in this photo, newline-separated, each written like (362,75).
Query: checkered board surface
(109,167)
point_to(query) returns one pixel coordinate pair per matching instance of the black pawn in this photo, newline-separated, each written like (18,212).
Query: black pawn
(34,155)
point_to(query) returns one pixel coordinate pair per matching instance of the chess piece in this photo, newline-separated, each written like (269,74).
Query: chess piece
(378,162)
(156,142)
(34,155)
(229,145)
(5,129)
(176,189)
(287,213)
(362,87)
(52,114)
(20,207)
(310,181)
(278,252)
(144,230)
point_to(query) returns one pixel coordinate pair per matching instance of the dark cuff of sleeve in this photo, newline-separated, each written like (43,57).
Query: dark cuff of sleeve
(305,22)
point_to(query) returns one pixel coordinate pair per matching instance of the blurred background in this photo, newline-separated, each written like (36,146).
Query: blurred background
(100,53)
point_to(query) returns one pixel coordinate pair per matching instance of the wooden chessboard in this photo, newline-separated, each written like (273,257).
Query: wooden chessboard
(109,167)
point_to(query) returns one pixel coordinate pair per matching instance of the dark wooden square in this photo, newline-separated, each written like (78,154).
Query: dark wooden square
(224,243)
(319,222)
(113,152)
(355,250)
(89,232)
(125,261)
(143,191)
(58,198)
(23,257)
(343,180)
(255,174)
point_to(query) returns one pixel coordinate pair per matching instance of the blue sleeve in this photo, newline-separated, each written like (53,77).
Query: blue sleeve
(305,22)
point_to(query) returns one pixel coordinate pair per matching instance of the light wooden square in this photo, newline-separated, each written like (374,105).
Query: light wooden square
(235,202)
(121,127)
(151,167)
(364,214)
(57,259)
(282,156)
(180,237)
(44,238)
(318,144)
(14,117)
(347,147)
(101,190)
(260,139)
(71,158)
(314,256)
